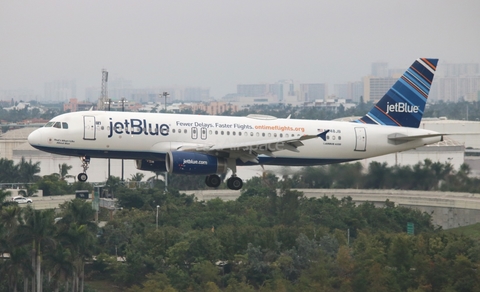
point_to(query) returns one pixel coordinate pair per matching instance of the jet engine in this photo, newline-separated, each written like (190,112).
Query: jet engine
(151,165)
(183,162)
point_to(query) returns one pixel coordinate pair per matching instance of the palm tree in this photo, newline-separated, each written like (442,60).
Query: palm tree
(9,171)
(38,230)
(63,171)
(77,234)
(60,264)
(3,196)
(28,170)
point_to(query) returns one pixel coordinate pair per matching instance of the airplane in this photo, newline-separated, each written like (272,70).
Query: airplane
(213,145)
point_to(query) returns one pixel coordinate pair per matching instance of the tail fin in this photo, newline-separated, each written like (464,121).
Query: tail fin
(404,103)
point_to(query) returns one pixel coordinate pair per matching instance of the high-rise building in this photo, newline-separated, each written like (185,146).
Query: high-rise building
(60,90)
(375,88)
(457,70)
(351,90)
(313,91)
(253,90)
(380,69)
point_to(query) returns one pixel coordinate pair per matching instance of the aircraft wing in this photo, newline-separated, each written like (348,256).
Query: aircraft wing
(248,151)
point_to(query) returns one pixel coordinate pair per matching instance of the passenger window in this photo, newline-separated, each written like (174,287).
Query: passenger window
(185,131)
(228,132)
(263,134)
(173,131)
(216,132)
(233,133)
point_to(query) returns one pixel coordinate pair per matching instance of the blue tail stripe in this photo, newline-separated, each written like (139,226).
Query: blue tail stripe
(418,81)
(404,103)
(424,71)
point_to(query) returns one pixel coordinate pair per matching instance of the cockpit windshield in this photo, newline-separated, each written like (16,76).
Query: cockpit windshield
(58,125)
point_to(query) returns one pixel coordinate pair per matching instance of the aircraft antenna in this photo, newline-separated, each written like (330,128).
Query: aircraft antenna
(104,94)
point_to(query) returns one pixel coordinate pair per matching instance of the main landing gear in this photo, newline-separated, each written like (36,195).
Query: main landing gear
(233,183)
(82,177)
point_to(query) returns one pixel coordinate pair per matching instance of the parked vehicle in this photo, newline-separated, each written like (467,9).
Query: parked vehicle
(22,200)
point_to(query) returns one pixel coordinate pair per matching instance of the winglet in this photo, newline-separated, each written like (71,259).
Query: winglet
(404,103)
(323,135)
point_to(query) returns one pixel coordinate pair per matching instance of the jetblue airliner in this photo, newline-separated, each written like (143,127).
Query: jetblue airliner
(211,145)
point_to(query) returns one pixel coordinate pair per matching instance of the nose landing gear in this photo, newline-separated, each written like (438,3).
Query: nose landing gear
(82,177)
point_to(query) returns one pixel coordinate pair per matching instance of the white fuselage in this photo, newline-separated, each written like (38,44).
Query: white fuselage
(133,135)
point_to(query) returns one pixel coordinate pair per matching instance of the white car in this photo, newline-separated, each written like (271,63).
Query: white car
(22,200)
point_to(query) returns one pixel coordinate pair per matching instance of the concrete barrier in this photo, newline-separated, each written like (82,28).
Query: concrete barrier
(448,209)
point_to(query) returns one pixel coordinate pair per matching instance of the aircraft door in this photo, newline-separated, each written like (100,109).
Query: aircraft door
(89,128)
(361,139)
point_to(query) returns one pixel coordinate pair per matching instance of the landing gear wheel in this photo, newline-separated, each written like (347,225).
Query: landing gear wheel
(213,180)
(85,162)
(234,183)
(82,177)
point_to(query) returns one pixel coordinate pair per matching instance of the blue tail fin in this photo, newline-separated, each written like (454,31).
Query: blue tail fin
(404,103)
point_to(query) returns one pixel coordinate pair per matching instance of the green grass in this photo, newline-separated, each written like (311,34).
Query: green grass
(472,231)
(101,286)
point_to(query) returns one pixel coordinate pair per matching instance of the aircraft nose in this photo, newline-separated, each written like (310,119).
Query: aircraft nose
(34,138)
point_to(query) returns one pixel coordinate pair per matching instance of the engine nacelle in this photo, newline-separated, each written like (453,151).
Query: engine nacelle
(151,165)
(183,162)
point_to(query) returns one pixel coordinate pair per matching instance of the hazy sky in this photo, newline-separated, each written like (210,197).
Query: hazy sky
(219,44)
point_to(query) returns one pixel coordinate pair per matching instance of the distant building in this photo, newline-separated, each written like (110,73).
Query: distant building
(60,90)
(74,106)
(310,92)
(253,90)
(333,104)
(17,94)
(454,89)
(375,88)
(214,108)
(380,69)
(351,91)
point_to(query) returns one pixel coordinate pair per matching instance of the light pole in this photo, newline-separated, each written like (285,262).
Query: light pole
(165,94)
(109,102)
(158,206)
(123,100)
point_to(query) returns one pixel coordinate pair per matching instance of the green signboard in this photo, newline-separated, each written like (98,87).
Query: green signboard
(410,228)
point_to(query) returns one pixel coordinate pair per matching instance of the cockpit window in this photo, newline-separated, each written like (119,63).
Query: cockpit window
(57,125)
(49,124)
(64,125)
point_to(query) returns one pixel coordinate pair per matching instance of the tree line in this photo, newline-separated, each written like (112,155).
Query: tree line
(45,250)
(266,240)
(280,241)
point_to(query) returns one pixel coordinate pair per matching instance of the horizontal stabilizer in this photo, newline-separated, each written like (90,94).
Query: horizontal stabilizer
(402,137)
